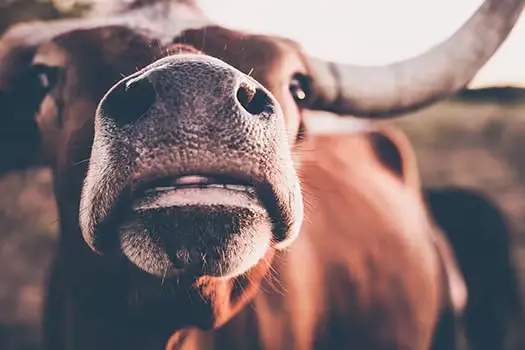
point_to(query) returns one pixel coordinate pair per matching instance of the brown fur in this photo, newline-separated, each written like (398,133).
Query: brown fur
(365,269)
(341,280)
(394,151)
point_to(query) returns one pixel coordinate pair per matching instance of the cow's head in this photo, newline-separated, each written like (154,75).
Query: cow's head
(175,167)
(178,164)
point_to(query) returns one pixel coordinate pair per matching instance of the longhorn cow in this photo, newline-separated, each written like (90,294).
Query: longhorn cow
(197,208)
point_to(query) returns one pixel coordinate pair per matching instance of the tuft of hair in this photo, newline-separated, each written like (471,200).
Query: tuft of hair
(179,48)
(100,7)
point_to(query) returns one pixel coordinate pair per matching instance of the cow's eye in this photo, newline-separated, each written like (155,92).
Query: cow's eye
(300,89)
(47,76)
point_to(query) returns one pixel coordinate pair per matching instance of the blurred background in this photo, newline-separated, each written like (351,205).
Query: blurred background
(474,140)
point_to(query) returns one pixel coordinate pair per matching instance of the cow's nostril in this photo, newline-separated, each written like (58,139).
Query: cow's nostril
(129,101)
(253,100)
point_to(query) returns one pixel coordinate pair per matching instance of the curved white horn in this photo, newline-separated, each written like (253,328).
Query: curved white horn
(386,91)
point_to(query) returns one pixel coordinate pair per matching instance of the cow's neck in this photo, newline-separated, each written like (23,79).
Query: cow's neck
(270,320)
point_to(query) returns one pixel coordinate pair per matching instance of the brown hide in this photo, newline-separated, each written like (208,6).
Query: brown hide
(364,270)
(394,151)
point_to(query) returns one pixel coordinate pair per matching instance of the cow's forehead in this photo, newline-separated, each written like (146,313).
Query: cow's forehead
(110,44)
(263,57)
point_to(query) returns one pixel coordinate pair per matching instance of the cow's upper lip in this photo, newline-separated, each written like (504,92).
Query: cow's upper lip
(190,189)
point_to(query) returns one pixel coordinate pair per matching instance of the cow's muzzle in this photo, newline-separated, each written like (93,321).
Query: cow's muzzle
(190,172)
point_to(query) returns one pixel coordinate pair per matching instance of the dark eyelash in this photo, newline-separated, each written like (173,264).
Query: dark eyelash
(301,133)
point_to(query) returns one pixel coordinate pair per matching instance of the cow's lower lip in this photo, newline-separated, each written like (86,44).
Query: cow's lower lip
(196,226)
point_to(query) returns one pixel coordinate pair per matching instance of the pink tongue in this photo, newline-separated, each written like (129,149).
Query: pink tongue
(193,180)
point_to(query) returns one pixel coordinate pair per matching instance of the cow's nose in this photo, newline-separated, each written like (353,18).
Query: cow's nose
(252,99)
(129,100)
(189,93)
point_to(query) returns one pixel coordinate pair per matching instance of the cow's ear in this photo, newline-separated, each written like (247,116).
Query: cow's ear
(21,93)
(395,152)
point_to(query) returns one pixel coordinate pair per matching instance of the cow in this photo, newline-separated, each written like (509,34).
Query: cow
(198,209)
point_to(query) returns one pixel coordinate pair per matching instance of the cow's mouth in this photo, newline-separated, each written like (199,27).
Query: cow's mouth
(194,190)
(197,225)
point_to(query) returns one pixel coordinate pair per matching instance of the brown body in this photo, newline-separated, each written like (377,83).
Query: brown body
(327,243)
(339,283)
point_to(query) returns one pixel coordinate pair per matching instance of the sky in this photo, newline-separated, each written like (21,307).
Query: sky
(372,31)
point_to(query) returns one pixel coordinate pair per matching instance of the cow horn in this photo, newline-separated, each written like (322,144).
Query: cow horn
(387,91)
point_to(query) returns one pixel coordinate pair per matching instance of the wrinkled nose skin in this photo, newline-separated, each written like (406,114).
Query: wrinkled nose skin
(198,91)
(191,171)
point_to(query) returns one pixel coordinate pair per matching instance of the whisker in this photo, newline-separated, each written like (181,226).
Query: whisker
(82,161)
(203,38)
(164,276)
(250,301)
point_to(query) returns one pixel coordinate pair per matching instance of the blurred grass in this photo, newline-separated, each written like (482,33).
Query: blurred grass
(28,231)
(476,142)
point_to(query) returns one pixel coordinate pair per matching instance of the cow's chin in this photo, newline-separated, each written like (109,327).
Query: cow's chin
(193,232)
